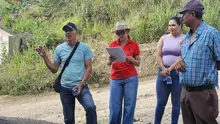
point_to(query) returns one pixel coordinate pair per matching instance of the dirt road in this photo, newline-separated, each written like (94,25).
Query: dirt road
(47,107)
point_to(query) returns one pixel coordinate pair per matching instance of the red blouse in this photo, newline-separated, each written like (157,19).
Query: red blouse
(122,70)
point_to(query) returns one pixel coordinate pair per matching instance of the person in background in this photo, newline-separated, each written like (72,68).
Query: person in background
(124,77)
(198,67)
(168,50)
(74,76)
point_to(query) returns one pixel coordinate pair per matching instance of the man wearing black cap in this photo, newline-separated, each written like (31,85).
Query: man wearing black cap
(198,67)
(74,76)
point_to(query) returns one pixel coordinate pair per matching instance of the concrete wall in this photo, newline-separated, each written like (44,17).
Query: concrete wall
(4,43)
(10,42)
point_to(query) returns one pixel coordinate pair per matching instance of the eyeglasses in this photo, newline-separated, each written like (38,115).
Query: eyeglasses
(120,33)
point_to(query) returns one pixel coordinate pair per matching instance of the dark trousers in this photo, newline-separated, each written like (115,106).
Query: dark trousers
(199,107)
(85,99)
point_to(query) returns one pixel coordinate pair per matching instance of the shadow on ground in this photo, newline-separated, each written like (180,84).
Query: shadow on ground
(14,120)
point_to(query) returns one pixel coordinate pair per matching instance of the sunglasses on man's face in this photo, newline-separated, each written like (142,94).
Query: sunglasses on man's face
(120,32)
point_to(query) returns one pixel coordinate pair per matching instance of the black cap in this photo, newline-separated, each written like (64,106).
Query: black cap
(193,5)
(69,27)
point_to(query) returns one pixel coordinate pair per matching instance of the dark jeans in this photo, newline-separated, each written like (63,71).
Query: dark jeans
(85,99)
(163,91)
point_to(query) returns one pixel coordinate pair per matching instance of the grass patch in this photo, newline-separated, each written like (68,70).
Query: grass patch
(27,73)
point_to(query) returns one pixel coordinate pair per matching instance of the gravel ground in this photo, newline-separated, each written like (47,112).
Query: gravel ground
(46,108)
(14,120)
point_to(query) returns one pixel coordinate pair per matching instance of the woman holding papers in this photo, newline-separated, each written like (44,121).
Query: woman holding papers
(124,79)
(168,50)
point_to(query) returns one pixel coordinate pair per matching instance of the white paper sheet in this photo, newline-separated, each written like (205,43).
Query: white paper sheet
(118,53)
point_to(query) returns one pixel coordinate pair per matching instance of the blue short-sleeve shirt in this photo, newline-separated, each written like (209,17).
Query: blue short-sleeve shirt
(200,57)
(74,72)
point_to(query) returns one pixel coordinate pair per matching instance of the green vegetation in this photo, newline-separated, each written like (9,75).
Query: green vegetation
(2,6)
(26,73)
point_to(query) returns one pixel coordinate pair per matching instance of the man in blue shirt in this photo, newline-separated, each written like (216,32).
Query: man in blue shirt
(74,76)
(198,67)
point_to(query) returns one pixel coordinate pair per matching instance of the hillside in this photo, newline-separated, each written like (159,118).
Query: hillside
(25,72)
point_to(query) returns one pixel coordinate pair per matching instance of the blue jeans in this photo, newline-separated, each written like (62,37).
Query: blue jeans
(119,89)
(163,90)
(85,99)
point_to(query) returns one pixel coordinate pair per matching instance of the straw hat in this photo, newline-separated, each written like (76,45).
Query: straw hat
(121,25)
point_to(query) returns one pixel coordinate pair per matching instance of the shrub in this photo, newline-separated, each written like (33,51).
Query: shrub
(27,73)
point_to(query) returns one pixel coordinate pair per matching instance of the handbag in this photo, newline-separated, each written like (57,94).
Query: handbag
(57,83)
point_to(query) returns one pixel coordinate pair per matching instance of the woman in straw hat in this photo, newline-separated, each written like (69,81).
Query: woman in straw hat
(124,79)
